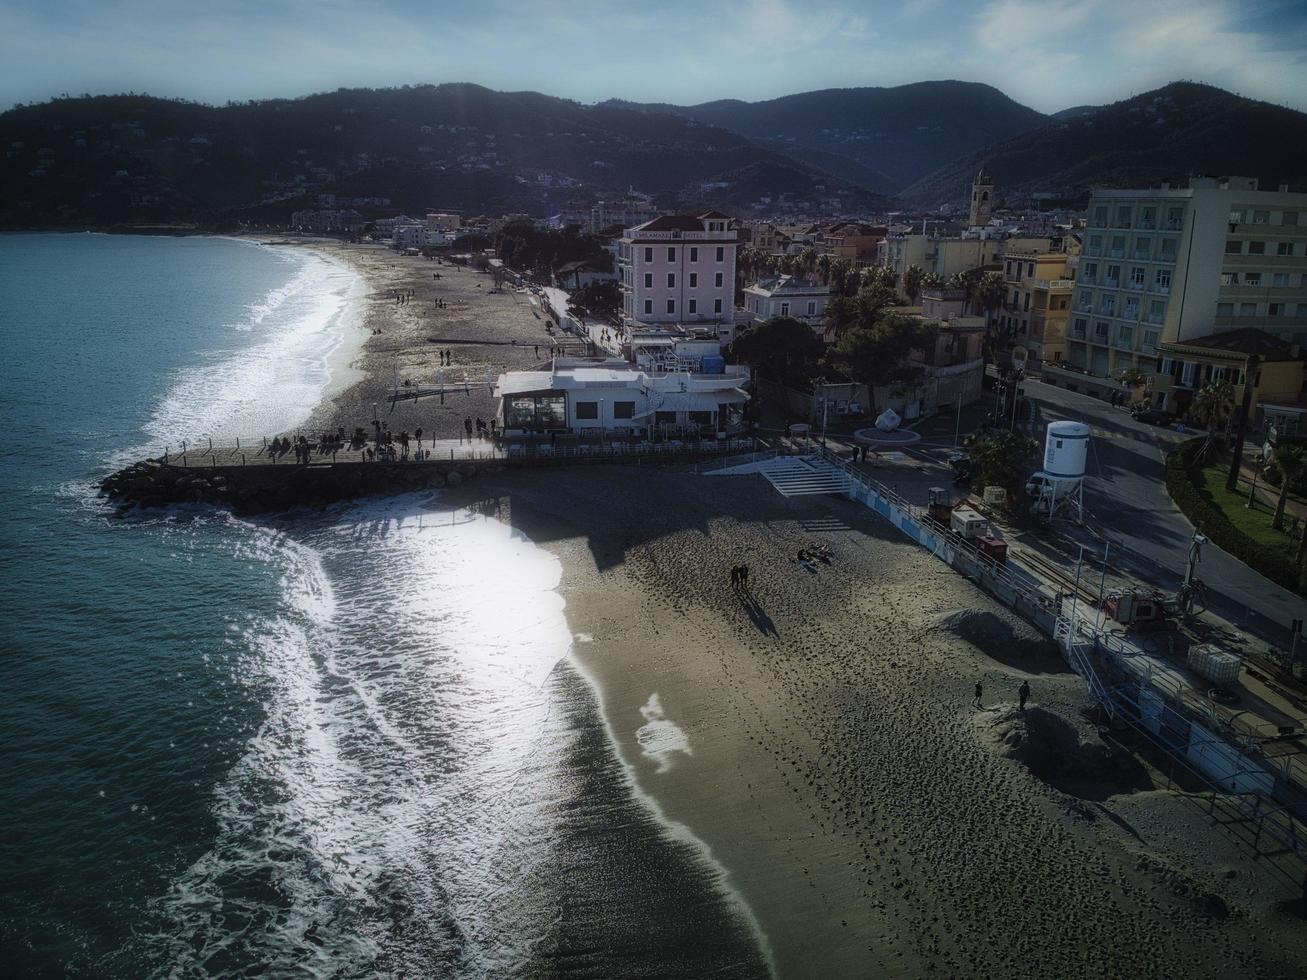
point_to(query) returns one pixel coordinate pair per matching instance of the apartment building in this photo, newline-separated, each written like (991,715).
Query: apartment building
(947,256)
(1176,263)
(679,269)
(1038,305)
(851,241)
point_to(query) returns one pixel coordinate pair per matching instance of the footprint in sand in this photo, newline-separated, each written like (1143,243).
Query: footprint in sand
(658,737)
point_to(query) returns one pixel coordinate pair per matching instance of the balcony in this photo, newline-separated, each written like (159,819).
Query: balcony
(1117,253)
(1148,224)
(1138,287)
(1084,308)
(1174,225)
(1157,287)
(1111,283)
(1154,318)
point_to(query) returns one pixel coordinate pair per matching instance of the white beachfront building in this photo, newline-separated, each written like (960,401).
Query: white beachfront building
(787,296)
(610,396)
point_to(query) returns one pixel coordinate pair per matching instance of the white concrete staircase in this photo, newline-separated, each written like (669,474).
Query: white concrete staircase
(795,476)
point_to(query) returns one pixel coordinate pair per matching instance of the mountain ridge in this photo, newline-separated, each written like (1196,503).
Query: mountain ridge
(1167,133)
(102,159)
(900,131)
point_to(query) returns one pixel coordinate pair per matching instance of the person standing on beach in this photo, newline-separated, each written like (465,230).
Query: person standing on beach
(744,577)
(975,702)
(1023,693)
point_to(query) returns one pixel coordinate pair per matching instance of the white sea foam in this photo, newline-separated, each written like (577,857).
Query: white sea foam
(659,737)
(404,673)
(305,328)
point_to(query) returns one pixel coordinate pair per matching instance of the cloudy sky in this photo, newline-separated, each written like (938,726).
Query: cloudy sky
(1049,54)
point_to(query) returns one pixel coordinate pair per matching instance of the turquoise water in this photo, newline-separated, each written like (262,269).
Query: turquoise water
(337,744)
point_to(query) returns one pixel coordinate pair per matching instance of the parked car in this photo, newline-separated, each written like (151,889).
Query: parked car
(1153,416)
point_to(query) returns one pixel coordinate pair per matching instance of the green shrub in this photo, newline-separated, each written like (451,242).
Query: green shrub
(1182,484)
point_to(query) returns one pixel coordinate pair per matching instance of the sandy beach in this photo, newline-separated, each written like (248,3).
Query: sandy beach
(816,732)
(486,333)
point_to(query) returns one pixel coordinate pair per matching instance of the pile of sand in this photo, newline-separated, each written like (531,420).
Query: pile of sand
(1004,637)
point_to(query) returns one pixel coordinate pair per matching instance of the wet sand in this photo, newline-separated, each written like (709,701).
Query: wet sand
(815,735)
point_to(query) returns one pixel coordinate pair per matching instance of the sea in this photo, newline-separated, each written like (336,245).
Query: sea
(341,743)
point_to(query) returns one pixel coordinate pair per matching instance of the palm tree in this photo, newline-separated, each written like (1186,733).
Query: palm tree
(838,277)
(841,313)
(967,283)
(912,282)
(991,292)
(1290,461)
(932,280)
(1212,404)
(823,268)
(807,261)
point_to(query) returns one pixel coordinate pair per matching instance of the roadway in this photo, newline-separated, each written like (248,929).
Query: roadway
(1127,507)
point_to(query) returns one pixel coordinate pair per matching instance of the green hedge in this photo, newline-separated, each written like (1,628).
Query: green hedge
(1182,476)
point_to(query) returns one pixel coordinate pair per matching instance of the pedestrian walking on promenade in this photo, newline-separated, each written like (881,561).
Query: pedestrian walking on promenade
(975,702)
(1023,692)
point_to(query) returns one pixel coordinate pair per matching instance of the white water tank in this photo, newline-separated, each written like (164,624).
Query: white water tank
(1065,449)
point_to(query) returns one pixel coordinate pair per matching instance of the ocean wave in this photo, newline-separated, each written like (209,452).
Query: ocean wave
(371,818)
(274,384)
(258,312)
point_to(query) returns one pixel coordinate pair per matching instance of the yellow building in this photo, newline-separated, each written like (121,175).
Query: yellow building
(1038,304)
(1184,366)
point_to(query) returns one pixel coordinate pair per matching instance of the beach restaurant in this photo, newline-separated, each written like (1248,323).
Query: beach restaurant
(609,397)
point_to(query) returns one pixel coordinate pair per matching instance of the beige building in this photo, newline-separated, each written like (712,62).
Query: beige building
(1171,264)
(947,256)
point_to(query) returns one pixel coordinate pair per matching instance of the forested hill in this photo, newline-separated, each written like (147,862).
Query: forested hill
(887,138)
(1167,134)
(138,159)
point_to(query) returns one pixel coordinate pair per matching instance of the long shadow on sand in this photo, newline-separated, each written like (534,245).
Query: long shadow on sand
(753,609)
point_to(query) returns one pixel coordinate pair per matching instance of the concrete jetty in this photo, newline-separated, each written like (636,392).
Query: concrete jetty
(253,480)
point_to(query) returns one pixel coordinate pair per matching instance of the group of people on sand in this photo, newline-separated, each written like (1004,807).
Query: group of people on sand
(739,576)
(1023,695)
(819,552)
(402,296)
(446,358)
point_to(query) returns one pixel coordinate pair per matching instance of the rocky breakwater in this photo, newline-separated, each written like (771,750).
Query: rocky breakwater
(264,489)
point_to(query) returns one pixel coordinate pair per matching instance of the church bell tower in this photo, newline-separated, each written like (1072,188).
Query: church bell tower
(982,199)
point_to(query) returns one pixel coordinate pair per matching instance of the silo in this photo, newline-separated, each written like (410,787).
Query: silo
(1065,449)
